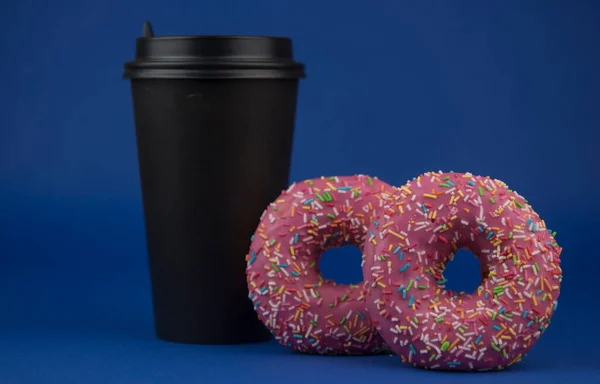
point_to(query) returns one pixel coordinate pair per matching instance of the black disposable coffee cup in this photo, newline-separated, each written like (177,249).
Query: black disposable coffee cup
(214,119)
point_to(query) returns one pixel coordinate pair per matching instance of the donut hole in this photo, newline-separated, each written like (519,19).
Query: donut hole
(342,264)
(463,272)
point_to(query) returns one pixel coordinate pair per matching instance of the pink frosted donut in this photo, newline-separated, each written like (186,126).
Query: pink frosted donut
(430,327)
(300,308)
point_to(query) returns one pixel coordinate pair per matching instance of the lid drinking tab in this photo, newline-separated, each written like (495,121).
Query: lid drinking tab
(148,29)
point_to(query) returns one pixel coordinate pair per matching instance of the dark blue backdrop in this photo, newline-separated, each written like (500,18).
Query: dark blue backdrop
(508,89)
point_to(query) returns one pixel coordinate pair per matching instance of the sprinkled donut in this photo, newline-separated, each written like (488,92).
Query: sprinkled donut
(430,218)
(302,309)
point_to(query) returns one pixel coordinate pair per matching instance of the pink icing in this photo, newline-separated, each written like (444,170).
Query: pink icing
(430,327)
(292,299)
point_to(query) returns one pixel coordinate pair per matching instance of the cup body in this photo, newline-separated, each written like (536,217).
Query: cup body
(213,152)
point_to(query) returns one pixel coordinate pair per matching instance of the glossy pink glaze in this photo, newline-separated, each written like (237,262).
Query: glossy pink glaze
(428,220)
(301,309)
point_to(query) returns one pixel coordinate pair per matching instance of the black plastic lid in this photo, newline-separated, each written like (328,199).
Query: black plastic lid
(212,57)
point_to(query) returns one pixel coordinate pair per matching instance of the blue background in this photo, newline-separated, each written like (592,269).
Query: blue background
(508,89)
